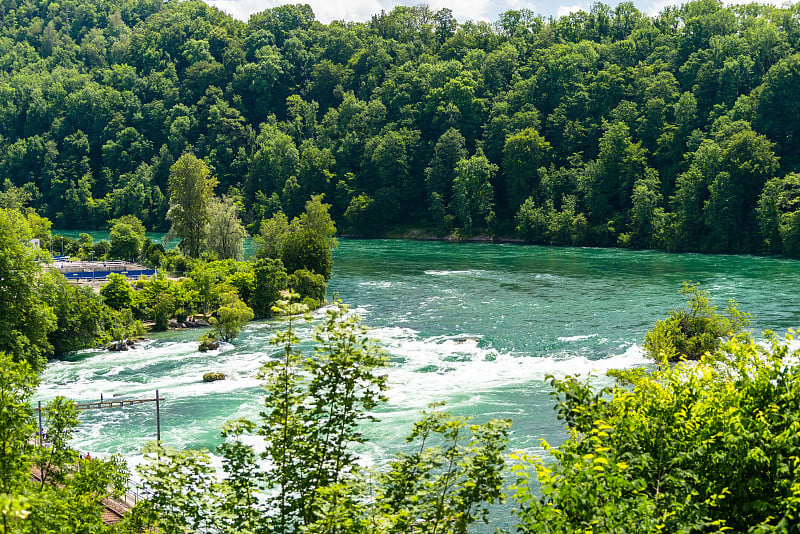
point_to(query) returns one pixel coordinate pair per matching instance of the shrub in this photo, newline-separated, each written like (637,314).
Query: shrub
(208,342)
(230,317)
(117,293)
(269,279)
(308,250)
(692,332)
(709,446)
(308,284)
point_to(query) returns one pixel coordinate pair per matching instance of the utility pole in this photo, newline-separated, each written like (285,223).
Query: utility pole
(158,419)
(41,435)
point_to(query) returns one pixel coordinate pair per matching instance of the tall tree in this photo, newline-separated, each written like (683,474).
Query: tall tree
(449,150)
(224,233)
(190,189)
(473,195)
(775,110)
(127,237)
(307,242)
(620,163)
(523,155)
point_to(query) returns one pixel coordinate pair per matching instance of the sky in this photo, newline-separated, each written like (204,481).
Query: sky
(485,10)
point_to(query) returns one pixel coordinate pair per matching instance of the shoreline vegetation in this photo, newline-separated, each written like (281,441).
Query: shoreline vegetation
(48,316)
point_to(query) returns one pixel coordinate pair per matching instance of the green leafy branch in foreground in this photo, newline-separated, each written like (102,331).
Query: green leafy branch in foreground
(67,497)
(711,446)
(705,446)
(314,413)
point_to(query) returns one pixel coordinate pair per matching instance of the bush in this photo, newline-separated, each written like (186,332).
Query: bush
(308,250)
(127,237)
(117,292)
(532,222)
(269,279)
(702,447)
(208,342)
(80,313)
(691,333)
(175,262)
(310,304)
(152,253)
(162,311)
(230,317)
(308,284)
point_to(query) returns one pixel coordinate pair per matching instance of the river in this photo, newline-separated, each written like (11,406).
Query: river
(476,325)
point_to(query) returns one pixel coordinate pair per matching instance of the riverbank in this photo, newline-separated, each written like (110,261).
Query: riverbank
(416,234)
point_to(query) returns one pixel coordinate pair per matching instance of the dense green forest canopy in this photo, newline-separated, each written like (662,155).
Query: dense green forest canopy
(606,127)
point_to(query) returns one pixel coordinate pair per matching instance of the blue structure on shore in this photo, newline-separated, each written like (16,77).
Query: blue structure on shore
(98,275)
(85,270)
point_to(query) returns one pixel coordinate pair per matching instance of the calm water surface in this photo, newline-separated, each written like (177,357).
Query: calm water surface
(476,325)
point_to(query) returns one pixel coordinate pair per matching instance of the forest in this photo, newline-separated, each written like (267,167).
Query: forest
(607,127)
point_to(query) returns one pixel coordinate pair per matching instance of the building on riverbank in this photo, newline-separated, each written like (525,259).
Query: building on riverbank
(89,271)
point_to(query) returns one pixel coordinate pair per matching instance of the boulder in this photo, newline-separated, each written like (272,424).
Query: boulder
(116,346)
(208,343)
(214,376)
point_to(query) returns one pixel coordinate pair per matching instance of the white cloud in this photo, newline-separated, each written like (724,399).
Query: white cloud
(486,10)
(362,10)
(566,10)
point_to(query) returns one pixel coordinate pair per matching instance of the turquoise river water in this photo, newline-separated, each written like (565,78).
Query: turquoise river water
(476,325)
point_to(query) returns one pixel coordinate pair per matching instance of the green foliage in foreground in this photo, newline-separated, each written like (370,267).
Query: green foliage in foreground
(314,411)
(708,446)
(25,321)
(68,496)
(688,334)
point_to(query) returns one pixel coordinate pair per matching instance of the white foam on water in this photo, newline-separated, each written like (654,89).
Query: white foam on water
(142,371)
(464,370)
(570,339)
(380,284)
(463,366)
(467,272)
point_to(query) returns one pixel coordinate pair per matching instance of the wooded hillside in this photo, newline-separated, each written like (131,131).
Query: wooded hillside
(605,128)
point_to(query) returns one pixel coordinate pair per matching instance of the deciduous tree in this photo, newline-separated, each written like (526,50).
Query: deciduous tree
(224,232)
(127,237)
(473,195)
(231,315)
(190,189)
